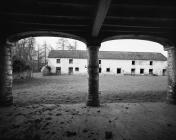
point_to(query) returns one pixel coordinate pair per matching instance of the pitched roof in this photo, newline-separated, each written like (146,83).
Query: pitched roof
(81,54)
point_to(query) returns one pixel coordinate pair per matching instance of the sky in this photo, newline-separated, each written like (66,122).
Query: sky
(131,45)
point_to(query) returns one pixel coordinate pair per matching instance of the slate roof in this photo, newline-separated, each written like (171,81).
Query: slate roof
(118,55)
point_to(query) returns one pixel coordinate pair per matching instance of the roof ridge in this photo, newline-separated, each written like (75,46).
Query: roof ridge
(112,51)
(121,55)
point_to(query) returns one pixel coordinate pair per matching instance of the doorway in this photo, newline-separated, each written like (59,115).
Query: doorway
(70,70)
(132,71)
(99,70)
(150,71)
(118,70)
(58,70)
(164,72)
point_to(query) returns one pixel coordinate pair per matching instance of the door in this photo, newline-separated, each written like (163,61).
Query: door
(164,72)
(99,70)
(58,70)
(70,70)
(132,71)
(151,71)
(118,70)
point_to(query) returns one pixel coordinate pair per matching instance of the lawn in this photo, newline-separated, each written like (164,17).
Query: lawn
(67,89)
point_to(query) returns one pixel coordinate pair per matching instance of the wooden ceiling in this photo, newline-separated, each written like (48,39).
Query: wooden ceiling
(90,19)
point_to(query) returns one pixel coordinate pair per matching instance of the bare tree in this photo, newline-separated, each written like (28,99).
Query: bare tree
(65,44)
(24,50)
(42,54)
(23,53)
(62,43)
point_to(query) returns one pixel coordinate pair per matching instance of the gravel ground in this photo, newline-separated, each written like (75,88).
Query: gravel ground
(68,89)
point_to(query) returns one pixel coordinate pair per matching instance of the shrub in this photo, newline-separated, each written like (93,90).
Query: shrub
(20,65)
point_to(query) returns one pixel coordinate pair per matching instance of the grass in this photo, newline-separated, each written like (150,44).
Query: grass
(73,89)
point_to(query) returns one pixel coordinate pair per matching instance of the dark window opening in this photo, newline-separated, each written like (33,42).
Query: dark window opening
(118,70)
(151,62)
(141,71)
(99,61)
(76,69)
(133,62)
(58,60)
(70,61)
(107,69)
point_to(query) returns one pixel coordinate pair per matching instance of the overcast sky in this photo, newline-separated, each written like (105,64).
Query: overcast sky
(114,45)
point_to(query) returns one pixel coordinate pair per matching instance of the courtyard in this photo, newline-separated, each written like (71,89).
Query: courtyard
(69,89)
(53,108)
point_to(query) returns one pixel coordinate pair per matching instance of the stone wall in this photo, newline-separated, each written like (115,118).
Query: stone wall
(6,75)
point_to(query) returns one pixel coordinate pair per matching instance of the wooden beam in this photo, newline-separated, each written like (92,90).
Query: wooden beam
(141,18)
(71,4)
(143,6)
(137,26)
(134,31)
(101,13)
(42,15)
(49,24)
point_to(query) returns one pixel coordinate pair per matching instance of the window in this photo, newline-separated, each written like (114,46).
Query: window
(151,62)
(132,71)
(57,60)
(118,70)
(99,70)
(150,71)
(70,61)
(141,71)
(76,69)
(133,62)
(107,69)
(99,61)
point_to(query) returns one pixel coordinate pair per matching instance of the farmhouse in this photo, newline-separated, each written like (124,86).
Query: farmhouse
(110,62)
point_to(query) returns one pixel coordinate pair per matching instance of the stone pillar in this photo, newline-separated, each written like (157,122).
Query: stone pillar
(171,69)
(5,75)
(93,80)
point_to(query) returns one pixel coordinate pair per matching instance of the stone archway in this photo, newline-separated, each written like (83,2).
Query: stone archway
(22,35)
(171,60)
(6,43)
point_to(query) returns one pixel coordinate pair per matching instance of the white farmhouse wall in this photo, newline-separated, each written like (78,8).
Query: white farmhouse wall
(125,65)
(64,64)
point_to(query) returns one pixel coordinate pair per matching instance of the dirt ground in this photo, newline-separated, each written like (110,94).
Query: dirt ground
(68,89)
(111,121)
(53,108)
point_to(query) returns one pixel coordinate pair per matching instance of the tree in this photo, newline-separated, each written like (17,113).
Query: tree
(66,44)
(62,43)
(24,51)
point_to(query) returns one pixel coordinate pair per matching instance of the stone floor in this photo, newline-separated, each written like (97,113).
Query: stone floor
(116,121)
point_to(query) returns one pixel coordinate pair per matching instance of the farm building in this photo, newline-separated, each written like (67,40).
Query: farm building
(110,62)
